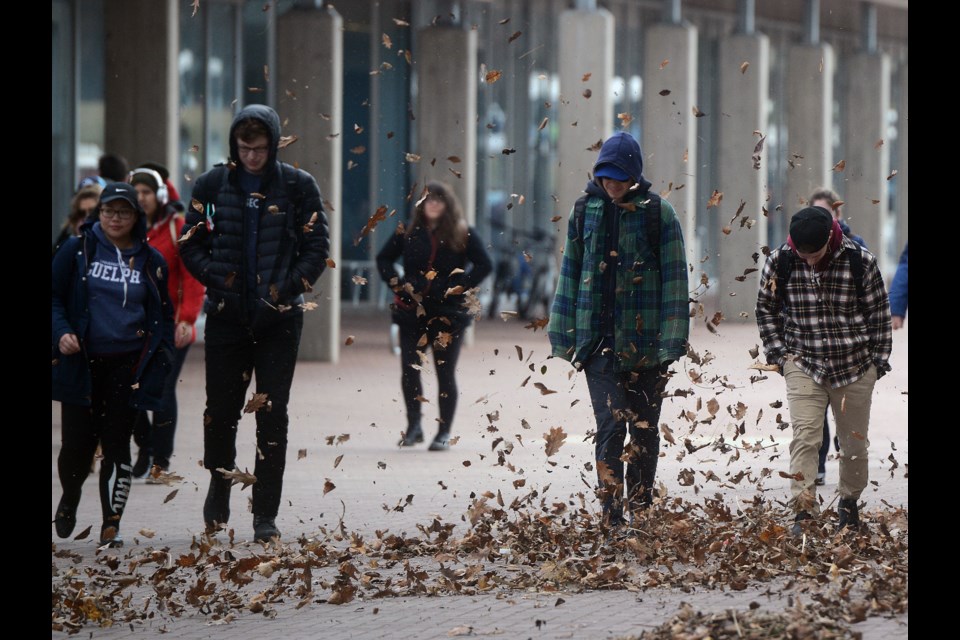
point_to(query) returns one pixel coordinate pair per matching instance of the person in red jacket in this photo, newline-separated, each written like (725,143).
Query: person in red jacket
(163,228)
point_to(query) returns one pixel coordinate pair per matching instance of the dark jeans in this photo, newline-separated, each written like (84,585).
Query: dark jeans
(158,436)
(234,354)
(445,359)
(619,404)
(108,420)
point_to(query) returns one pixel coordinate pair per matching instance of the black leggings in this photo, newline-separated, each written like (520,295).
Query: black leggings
(108,420)
(412,329)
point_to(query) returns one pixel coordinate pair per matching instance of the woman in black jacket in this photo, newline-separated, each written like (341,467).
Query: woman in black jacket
(429,302)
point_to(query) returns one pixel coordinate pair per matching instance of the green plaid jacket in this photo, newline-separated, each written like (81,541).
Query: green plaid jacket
(651,315)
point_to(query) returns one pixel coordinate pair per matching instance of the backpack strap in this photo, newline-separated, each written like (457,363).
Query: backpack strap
(785,268)
(651,220)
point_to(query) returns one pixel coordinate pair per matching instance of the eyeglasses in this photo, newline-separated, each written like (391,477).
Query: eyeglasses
(123,214)
(252,151)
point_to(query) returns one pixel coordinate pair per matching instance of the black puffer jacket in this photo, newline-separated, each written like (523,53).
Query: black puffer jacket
(291,253)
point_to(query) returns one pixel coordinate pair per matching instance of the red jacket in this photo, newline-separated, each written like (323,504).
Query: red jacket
(186,292)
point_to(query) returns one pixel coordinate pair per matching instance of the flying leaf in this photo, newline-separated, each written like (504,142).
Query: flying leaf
(196,7)
(454,159)
(257,402)
(554,439)
(759,366)
(411,157)
(664,63)
(715,199)
(454,291)
(667,433)
(840,165)
(331,264)
(713,406)
(755,351)
(516,34)
(386,41)
(892,173)
(556,218)
(543,123)
(83,534)
(328,486)
(171,496)
(401,23)
(493,76)
(588,93)
(349,341)
(228,281)
(359,280)
(543,388)
(743,67)
(625,119)
(239,477)
(443,339)
(286,141)
(378,216)
(147,533)
(756,152)
(664,92)
(358,150)
(697,113)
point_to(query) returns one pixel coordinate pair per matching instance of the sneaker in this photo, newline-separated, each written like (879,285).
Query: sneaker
(412,436)
(441,442)
(110,535)
(821,478)
(142,466)
(849,514)
(797,529)
(265,529)
(66,518)
(216,507)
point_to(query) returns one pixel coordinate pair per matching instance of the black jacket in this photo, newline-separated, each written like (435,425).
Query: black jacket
(291,252)
(416,250)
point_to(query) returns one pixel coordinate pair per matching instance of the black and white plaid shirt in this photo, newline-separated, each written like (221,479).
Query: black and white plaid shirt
(833,338)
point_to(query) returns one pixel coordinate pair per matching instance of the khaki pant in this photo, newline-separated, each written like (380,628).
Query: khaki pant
(851,412)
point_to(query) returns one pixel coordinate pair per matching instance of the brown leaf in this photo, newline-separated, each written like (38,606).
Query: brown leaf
(454,159)
(189,234)
(794,476)
(443,339)
(543,123)
(171,496)
(493,76)
(715,199)
(556,218)
(664,63)
(358,150)
(585,77)
(286,141)
(554,439)
(625,119)
(755,351)
(328,486)
(147,533)
(543,388)
(713,406)
(840,165)
(386,41)
(892,173)
(516,34)
(743,67)
(664,92)
(596,146)
(378,216)
(257,402)
(336,462)
(539,323)
(228,281)
(878,144)
(759,366)
(83,534)
(342,594)
(410,157)
(588,93)
(697,113)
(504,21)
(301,454)
(454,291)
(196,7)
(667,433)
(238,477)
(359,280)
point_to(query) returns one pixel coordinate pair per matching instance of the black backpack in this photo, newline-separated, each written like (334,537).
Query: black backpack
(785,268)
(652,220)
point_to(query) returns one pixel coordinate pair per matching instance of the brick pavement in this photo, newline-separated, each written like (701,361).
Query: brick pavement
(360,397)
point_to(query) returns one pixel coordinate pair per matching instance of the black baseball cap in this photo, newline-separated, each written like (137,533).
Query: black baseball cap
(810,229)
(120,191)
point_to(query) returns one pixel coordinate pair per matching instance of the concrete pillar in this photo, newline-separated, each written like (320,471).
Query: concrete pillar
(310,65)
(446,63)
(588,44)
(669,127)
(809,111)
(743,110)
(142,88)
(903,207)
(864,178)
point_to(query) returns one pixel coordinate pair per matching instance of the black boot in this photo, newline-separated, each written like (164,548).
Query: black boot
(264,528)
(412,436)
(849,514)
(66,518)
(216,508)
(441,442)
(797,529)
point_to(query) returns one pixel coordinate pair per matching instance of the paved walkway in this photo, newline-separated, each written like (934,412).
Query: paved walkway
(360,398)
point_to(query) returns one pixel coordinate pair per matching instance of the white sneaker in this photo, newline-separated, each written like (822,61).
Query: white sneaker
(821,479)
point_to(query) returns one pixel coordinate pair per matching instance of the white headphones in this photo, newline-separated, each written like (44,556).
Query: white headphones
(162,195)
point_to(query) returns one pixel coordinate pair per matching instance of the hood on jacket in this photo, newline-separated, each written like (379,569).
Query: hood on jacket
(622,151)
(270,119)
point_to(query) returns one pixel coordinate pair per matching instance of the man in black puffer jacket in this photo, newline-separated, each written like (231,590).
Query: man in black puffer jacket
(256,237)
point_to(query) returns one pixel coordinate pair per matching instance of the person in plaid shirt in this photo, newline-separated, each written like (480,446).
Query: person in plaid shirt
(621,314)
(831,344)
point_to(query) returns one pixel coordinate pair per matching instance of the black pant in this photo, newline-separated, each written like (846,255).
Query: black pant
(234,354)
(617,403)
(445,359)
(157,437)
(108,420)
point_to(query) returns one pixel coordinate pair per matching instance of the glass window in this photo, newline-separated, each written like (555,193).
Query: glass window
(61,112)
